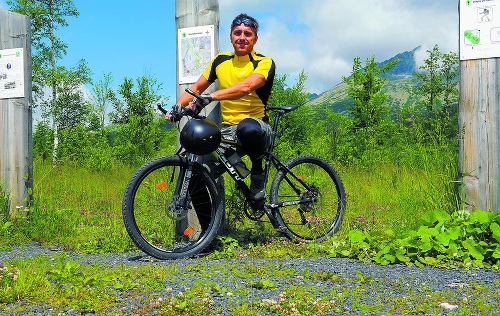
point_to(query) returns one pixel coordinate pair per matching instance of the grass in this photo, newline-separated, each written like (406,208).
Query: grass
(225,288)
(76,209)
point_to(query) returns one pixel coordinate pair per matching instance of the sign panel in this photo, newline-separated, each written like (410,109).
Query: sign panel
(196,50)
(479,29)
(12,73)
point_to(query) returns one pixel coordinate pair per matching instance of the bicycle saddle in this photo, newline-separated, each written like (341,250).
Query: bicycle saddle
(284,109)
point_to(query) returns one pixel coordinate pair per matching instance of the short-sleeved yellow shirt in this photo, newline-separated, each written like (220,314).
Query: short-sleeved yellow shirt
(230,69)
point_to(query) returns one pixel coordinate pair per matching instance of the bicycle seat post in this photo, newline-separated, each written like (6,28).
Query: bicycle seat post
(275,129)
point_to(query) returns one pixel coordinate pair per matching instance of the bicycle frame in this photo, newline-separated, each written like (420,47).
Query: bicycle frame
(271,159)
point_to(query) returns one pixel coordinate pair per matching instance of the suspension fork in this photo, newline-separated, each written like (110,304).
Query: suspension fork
(182,185)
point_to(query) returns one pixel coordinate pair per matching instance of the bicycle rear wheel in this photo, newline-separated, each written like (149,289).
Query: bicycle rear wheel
(152,214)
(322,215)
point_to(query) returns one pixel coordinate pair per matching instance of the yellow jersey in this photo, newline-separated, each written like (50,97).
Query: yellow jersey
(230,69)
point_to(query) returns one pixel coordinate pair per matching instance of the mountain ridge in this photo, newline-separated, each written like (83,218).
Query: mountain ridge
(400,85)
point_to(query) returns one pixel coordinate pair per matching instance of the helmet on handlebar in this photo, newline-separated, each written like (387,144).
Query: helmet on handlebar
(200,136)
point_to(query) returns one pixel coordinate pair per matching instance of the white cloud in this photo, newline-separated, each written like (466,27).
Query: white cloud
(285,47)
(322,36)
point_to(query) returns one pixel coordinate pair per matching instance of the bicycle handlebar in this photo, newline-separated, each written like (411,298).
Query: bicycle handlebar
(194,94)
(183,111)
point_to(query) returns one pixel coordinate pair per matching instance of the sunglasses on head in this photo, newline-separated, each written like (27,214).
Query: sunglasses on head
(247,22)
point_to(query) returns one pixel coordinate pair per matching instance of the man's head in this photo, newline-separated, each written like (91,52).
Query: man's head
(244,34)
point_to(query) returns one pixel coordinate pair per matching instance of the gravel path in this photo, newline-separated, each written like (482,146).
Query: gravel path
(412,280)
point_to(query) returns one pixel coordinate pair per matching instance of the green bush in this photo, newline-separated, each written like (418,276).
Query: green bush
(43,140)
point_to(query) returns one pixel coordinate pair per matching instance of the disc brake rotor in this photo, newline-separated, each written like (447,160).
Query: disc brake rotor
(314,195)
(174,210)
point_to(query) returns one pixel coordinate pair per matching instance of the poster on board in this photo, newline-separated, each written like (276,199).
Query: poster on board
(479,29)
(12,73)
(195,50)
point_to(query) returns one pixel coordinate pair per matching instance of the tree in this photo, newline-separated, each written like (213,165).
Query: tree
(439,89)
(364,86)
(297,125)
(47,16)
(449,79)
(432,86)
(138,103)
(103,95)
(70,106)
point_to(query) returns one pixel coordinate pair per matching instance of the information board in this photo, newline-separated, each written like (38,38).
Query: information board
(196,50)
(12,73)
(479,29)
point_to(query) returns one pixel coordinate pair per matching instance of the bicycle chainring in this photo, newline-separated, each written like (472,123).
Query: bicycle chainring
(254,210)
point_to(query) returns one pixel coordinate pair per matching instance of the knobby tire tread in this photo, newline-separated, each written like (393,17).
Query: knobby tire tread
(128,210)
(279,179)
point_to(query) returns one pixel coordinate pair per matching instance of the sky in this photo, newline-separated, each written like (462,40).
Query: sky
(321,37)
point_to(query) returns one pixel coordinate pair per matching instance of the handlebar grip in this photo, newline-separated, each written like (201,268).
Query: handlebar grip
(160,107)
(194,94)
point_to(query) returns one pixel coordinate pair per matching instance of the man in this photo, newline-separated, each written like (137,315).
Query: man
(245,82)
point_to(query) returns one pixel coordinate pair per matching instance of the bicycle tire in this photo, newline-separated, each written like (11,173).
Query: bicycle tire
(314,221)
(147,210)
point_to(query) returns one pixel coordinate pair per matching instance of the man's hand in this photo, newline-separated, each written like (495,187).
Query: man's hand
(196,105)
(171,114)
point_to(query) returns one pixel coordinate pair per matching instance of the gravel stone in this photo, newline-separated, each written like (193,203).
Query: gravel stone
(415,278)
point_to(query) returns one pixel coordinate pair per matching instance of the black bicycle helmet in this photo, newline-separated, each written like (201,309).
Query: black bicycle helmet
(200,136)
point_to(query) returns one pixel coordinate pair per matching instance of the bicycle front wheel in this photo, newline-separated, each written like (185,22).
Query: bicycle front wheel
(315,183)
(152,214)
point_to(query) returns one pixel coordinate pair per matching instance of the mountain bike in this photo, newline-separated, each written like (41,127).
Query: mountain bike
(172,208)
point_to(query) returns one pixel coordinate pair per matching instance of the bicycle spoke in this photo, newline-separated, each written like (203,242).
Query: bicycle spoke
(319,213)
(159,221)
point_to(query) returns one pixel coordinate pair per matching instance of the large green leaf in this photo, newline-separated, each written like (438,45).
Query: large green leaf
(475,250)
(481,217)
(495,230)
(356,236)
(432,217)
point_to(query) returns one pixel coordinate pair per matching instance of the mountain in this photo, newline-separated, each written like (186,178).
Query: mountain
(399,86)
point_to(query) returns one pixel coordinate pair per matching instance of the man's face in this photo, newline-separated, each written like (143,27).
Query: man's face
(243,39)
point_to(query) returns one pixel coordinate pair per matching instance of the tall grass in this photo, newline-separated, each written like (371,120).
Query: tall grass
(80,209)
(4,200)
(399,175)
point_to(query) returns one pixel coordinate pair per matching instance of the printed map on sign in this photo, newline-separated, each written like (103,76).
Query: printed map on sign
(11,73)
(196,50)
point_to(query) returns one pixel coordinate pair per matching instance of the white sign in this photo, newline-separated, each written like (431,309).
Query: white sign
(479,29)
(196,50)
(11,73)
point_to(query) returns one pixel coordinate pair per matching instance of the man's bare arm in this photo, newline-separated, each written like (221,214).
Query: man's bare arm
(240,89)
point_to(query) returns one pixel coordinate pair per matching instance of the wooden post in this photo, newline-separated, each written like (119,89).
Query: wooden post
(16,146)
(192,13)
(479,119)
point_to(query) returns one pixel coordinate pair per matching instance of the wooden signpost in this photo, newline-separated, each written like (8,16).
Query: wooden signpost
(193,14)
(479,104)
(197,23)
(16,146)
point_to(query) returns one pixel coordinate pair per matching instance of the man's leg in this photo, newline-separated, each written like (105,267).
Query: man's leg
(253,135)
